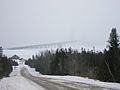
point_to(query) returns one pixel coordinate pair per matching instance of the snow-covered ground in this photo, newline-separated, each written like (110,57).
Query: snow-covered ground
(18,82)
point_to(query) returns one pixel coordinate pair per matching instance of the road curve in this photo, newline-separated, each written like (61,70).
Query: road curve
(51,84)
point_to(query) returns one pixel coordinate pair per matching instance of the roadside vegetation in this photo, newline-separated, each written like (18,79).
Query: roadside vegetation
(5,65)
(104,66)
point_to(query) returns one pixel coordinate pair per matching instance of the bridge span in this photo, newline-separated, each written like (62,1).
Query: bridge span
(78,44)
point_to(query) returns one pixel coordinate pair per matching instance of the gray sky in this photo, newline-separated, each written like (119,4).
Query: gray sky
(26,22)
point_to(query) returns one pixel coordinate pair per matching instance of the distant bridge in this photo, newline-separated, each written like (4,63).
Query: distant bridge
(54,45)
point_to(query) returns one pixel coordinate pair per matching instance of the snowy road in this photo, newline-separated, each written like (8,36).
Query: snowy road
(46,82)
(25,78)
(57,84)
(18,82)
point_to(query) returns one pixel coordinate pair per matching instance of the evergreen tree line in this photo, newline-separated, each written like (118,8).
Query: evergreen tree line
(104,66)
(5,66)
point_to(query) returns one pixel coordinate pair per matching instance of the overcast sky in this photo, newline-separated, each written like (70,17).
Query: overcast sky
(26,22)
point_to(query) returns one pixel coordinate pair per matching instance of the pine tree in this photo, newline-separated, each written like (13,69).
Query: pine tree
(113,62)
(113,39)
